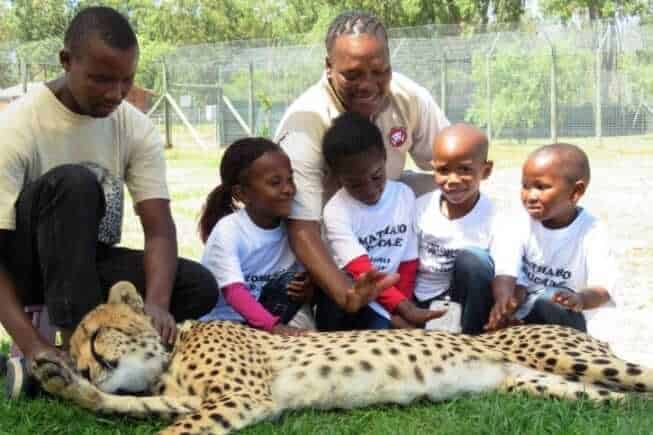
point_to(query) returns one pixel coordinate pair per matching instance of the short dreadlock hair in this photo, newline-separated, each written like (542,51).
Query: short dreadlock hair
(355,23)
(110,25)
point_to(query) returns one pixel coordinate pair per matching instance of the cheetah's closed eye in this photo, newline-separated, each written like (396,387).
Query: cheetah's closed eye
(222,376)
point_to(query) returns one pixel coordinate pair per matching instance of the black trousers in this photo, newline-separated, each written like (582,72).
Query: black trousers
(329,316)
(471,287)
(545,312)
(56,258)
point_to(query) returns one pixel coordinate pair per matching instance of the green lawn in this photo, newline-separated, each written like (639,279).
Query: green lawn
(487,414)
(192,175)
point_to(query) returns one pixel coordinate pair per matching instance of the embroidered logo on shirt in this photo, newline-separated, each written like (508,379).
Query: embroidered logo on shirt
(397,136)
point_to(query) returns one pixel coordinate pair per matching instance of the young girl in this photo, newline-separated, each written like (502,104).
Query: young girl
(247,248)
(369,225)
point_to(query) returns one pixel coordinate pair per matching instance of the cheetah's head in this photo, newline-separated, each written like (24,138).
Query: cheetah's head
(116,346)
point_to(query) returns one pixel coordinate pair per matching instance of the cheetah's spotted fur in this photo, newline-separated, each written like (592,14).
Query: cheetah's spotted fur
(223,376)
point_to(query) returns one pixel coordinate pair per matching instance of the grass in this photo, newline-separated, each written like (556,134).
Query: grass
(192,174)
(490,414)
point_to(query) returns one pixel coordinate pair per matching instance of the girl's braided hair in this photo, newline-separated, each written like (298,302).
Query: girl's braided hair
(233,171)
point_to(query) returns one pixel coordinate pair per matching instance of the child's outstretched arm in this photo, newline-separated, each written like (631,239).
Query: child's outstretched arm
(241,300)
(388,298)
(406,309)
(507,297)
(506,249)
(407,272)
(396,299)
(587,299)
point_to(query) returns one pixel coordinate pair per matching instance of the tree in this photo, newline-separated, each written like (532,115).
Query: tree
(33,20)
(403,13)
(520,84)
(5,31)
(593,9)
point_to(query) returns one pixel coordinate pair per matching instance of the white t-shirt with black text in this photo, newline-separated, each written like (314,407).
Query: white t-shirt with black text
(577,256)
(440,239)
(239,251)
(384,231)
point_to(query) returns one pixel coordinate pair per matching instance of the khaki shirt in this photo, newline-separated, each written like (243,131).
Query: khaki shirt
(408,122)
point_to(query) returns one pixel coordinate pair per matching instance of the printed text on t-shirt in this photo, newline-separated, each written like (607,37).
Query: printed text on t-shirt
(390,236)
(545,275)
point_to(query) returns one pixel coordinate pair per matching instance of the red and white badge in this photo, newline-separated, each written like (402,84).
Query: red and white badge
(397,136)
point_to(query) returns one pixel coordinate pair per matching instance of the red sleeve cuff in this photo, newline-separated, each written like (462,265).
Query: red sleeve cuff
(390,298)
(407,273)
(359,266)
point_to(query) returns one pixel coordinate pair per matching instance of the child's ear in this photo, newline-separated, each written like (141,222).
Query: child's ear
(487,169)
(578,190)
(239,194)
(327,66)
(65,59)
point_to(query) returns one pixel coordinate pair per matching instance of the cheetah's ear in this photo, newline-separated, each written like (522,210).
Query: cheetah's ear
(124,292)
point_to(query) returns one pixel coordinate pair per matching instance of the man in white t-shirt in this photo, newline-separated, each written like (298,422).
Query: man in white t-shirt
(359,79)
(68,147)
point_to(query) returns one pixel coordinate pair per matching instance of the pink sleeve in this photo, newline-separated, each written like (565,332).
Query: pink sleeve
(239,297)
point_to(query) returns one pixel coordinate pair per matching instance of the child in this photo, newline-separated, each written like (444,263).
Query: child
(457,229)
(369,224)
(247,248)
(564,266)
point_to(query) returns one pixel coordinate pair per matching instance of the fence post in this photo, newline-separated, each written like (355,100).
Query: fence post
(219,119)
(250,111)
(488,85)
(166,105)
(554,96)
(488,91)
(598,110)
(599,84)
(443,82)
(23,76)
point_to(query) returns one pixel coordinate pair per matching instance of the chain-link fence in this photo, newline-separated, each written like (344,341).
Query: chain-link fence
(22,65)
(548,82)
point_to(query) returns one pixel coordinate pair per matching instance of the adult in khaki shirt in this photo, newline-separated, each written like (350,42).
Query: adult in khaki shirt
(358,78)
(68,148)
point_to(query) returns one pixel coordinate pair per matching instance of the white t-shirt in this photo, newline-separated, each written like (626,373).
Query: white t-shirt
(440,239)
(577,256)
(239,251)
(38,133)
(384,231)
(409,122)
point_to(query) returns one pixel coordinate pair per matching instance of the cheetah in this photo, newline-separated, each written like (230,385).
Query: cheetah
(222,376)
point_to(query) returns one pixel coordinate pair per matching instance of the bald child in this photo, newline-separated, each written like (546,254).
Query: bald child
(564,264)
(457,228)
